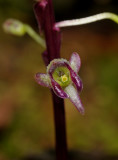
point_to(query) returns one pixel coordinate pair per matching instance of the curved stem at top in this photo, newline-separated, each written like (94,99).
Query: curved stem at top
(86,20)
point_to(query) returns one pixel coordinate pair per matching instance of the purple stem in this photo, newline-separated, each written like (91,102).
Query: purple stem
(45,17)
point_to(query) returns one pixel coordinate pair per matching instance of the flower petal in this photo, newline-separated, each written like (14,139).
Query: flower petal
(42,79)
(75,62)
(75,78)
(77,81)
(74,97)
(58,90)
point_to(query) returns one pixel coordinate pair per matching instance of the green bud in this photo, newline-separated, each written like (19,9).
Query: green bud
(62,76)
(14,27)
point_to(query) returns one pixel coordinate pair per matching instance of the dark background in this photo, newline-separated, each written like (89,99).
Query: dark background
(26,114)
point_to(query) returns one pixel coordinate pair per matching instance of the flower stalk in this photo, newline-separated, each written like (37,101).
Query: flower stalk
(45,17)
(35,36)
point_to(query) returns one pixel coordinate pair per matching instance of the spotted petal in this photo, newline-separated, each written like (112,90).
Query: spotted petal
(75,62)
(74,98)
(42,79)
(57,89)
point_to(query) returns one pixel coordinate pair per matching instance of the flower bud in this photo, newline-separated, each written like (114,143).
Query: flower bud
(14,27)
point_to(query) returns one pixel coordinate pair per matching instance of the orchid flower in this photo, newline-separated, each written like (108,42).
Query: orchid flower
(62,77)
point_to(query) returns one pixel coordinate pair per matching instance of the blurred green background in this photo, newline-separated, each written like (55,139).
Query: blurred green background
(26,113)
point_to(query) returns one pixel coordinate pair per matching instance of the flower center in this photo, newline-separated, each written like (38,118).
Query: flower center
(62,76)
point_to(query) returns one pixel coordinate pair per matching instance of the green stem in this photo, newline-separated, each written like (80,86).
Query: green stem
(94,18)
(35,36)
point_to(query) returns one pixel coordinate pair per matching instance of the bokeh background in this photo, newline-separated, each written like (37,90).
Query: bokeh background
(26,112)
